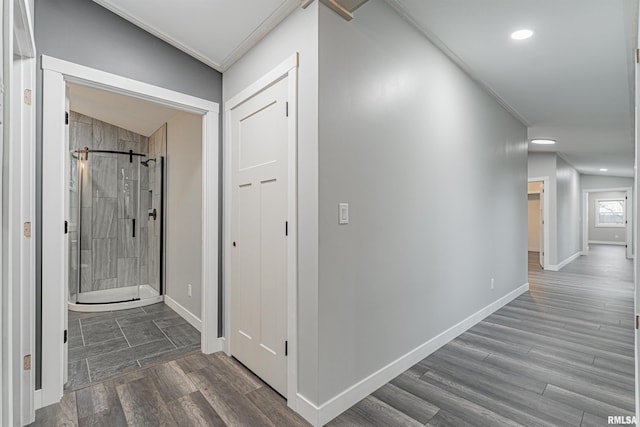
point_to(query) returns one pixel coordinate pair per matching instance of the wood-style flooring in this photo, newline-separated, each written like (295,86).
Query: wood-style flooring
(559,355)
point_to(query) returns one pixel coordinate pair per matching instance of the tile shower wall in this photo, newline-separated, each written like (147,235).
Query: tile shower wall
(109,255)
(157,149)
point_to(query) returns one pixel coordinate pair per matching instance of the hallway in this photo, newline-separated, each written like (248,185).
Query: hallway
(559,355)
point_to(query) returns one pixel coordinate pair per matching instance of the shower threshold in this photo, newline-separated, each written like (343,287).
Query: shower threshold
(128,298)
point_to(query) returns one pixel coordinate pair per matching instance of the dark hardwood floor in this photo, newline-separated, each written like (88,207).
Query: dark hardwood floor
(560,355)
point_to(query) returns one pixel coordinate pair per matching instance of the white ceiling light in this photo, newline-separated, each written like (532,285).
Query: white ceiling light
(521,34)
(543,141)
(603,169)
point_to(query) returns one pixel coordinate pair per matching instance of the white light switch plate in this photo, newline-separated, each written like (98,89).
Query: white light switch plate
(343,213)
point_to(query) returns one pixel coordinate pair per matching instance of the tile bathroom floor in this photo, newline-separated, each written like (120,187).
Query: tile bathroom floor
(104,344)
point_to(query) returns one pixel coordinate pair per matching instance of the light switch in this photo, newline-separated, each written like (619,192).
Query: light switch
(343,213)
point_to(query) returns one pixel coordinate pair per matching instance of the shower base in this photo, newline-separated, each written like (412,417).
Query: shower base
(95,300)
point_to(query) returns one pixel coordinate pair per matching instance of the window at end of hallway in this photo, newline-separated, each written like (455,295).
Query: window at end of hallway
(610,213)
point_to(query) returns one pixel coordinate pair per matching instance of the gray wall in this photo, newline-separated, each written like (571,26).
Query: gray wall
(184,211)
(598,182)
(569,220)
(85,33)
(604,234)
(434,171)
(564,195)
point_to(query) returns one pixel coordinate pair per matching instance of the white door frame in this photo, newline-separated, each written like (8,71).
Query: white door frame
(628,206)
(56,73)
(545,217)
(18,181)
(288,68)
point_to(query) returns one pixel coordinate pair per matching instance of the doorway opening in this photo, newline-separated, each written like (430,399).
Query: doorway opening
(122,313)
(126,248)
(607,221)
(538,224)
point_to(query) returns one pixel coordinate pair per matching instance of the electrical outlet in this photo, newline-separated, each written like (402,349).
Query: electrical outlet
(492,282)
(189,289)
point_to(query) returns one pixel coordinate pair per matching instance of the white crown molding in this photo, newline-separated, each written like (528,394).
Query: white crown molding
(406,15)
(249,42)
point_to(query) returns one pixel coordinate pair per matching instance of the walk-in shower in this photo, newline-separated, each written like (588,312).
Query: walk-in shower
(115,219)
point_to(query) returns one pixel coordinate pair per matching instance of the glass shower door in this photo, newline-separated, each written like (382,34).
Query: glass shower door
(74,226)
(109,228)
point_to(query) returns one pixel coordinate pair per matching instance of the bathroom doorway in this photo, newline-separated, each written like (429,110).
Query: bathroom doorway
(115,341)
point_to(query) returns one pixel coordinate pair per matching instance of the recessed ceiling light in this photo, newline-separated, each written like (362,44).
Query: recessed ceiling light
(521,34)
(603,169)
(543,141)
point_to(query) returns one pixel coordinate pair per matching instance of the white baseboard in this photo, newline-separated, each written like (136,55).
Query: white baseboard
(558,267)
(320,415)
(603,242)
(184,313)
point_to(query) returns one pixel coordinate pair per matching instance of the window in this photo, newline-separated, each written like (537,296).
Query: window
(610,213)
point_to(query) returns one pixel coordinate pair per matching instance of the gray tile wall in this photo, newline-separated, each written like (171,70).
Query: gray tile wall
(110,255)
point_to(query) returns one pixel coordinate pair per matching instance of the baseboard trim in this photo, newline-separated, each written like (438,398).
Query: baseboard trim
(183,312)
(558,267)
(320,415)
(603,242)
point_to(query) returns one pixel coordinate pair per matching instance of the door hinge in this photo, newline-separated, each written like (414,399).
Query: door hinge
(637,320)
(637,56)
(66,118)
(286,348)
(26,229)
(286,108)
(26,362)
(64,339)
(27,96)
(286,228)
(66,227)
(626,246)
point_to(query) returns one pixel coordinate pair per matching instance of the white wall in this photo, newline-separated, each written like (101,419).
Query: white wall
(569,211)
(184,211)
(534,222)
(434,171)
(604,234)
(298,33)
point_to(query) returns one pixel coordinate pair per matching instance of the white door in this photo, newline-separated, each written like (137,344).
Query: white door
(541,216)
(259,234)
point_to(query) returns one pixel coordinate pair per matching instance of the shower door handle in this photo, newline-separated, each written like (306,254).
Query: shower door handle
(133,228)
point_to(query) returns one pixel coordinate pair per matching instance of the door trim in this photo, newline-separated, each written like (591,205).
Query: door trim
(288,68)
(56,73)
(628,213)
(545,217)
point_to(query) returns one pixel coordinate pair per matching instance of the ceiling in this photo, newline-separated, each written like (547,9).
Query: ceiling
(129,113)
(216,32)
(572,81)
